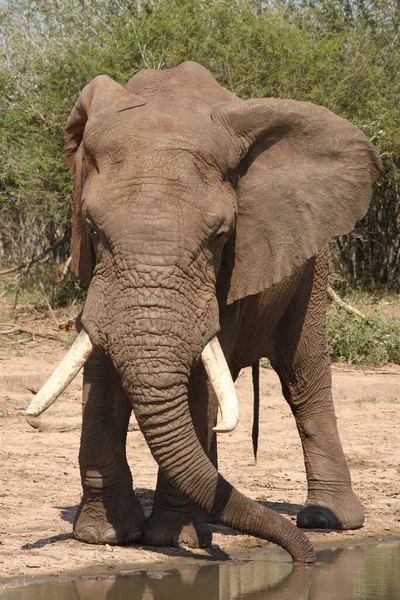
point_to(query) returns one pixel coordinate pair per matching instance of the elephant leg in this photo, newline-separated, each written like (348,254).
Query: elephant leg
(303,364)
(175,521)
(109,512)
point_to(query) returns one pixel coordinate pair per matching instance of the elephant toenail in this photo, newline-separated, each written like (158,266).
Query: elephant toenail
(133,535)
(303,521)
(110,536)
(89,535)
(321,521)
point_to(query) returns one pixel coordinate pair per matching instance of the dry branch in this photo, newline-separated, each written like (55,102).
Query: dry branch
(347,307)
(51,311)
(13,269)
(38,258)
(19,329)
(65,269)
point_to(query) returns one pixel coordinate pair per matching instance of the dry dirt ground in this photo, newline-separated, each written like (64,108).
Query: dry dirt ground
(39,477)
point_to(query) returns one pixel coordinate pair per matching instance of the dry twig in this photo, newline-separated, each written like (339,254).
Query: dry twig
(65,269)
(38,258)
(347,307)
(18,329)
(51,311)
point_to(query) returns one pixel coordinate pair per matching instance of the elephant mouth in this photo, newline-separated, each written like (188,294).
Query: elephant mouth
(212,357)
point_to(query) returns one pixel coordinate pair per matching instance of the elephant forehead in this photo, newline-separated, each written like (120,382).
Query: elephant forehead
(128,163)
(150,137)
(153,212)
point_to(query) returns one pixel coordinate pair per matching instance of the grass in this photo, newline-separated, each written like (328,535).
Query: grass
(363,342)
(32,312)
(374,400)
(367,400)
(31,297)
(265,363)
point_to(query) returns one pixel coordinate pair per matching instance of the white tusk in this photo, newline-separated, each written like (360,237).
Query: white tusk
(221,379)
(63,375)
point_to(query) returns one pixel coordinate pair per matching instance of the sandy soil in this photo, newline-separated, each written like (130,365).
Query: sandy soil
(40,487)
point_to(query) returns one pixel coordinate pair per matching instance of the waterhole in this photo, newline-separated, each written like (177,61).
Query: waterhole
(364,572)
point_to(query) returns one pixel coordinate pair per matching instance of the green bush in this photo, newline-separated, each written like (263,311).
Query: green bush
(342,54)
(374,341)
(68,290)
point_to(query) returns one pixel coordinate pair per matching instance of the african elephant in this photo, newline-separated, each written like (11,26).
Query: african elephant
(201,217)
(334,577)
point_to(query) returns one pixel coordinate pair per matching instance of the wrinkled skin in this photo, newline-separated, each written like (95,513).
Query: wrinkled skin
(197,213)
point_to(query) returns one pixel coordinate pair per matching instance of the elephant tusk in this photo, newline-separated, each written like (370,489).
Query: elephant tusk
(221,379)
(63,375)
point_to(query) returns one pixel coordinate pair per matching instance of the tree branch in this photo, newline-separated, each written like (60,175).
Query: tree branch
(347,307)
(49,307)
(19,329)
(38,258)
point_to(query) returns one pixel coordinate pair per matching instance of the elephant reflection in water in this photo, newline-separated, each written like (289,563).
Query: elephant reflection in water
(332,578)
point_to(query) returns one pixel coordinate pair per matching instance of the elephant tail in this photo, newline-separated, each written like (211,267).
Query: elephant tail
(255,371)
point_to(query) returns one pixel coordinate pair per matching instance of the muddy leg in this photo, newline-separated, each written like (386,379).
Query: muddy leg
(303,365)
(109,512)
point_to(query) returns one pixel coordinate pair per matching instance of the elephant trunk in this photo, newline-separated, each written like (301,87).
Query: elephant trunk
(159,396)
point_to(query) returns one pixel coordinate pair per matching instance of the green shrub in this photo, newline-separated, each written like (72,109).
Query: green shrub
(342,54)
(373,341)
(67,291)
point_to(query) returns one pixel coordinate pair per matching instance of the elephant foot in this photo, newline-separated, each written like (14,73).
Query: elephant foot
(168,528)
(106,522)
(343,512)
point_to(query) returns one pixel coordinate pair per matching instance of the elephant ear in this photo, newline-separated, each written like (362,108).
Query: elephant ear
(101,94)
(304,177)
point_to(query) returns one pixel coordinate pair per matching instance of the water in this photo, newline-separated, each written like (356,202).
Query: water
(365,572)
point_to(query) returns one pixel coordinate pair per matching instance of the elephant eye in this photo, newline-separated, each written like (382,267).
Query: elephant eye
(91,226)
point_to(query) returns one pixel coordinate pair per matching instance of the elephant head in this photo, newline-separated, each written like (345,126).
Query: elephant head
(182,189)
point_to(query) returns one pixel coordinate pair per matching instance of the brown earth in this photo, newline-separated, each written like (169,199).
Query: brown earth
(39,478)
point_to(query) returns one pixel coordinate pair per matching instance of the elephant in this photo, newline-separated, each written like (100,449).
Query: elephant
(201,224)
(335,577)
(337,574)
